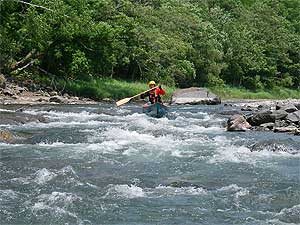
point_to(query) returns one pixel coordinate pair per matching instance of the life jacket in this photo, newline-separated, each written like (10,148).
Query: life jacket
(154,95)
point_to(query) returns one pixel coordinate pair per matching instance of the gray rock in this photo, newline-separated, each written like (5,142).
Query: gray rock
(270,126)
(66,95)
(57,99)
(281,123)
(237,123)
(53,93)
(297,105)
(288,108)
(181,184)
(266,116)
(260,118)
(46,94)
(278,114)
(294,117)
(248,108)
(19,89)
(195,96)
(289,129)
(8,92)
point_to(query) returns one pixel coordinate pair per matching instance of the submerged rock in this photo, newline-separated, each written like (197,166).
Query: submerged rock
(273,146)
(195,96)
(237,123)
(181,184)
(14,118)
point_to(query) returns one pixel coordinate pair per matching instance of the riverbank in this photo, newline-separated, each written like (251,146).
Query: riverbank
(235,93)
(108,89)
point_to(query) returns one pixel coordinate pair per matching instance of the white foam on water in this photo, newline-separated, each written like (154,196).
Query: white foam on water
(167,191)
(231,188)
(56,203)
(290,215)
(227,151)
(278,222)
(147,144)
(7,110)
(42,176)
(125,191)
(63,124)
(61,198)
(8,194)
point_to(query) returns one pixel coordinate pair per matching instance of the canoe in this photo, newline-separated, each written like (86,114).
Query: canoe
(157,110)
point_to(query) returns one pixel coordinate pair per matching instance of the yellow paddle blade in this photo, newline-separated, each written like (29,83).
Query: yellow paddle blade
(123,101)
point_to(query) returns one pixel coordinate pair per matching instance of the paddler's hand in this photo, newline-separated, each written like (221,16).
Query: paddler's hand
(159,86)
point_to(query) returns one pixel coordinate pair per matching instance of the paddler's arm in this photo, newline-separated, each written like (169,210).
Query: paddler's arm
(144,95)
(160,91)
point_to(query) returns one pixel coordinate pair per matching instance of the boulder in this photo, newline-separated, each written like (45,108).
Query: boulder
(6,136)
(294,117)
(266,116)
(57,99)
(195,96)
(260,118)
(237,123)
(297,105)
(278,114)
(288,108)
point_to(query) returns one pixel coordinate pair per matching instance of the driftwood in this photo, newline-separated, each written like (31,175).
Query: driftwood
(23,61)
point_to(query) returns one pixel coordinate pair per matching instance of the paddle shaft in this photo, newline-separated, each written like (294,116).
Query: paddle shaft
(144,92)
(125,100)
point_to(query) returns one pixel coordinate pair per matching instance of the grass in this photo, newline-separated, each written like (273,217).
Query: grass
(228,92)
(101,88)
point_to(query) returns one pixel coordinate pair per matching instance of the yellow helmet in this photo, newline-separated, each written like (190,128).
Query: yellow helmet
(151,82)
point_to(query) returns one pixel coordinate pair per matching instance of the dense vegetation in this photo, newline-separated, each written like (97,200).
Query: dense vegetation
(247,43)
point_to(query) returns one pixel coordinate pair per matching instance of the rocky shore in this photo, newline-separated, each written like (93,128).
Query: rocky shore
(266,115)
(13,94)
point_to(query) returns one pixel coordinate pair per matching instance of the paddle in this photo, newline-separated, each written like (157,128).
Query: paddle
(125,100)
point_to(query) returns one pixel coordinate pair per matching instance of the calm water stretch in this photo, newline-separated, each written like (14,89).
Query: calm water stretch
(107,165)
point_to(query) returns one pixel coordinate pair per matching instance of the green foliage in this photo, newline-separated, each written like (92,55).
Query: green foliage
(108,88)
(246,43)
(229,92)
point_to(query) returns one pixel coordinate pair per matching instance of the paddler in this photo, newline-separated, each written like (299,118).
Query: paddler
(154,95)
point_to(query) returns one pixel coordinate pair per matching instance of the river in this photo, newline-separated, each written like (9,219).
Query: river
(99,164)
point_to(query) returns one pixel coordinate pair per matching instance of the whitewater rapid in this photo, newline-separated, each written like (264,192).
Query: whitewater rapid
(106,165)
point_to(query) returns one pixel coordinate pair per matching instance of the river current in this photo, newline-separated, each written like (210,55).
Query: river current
(99,164)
